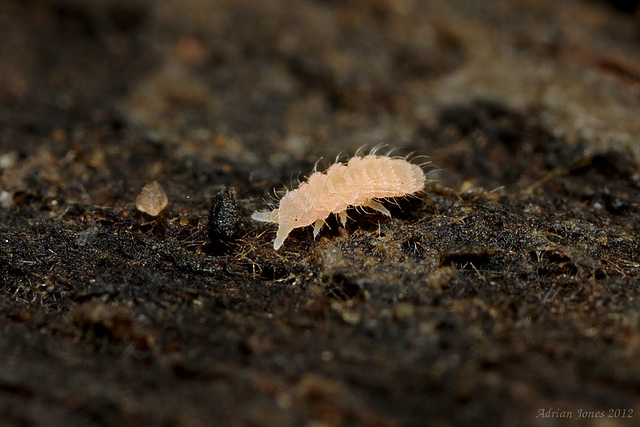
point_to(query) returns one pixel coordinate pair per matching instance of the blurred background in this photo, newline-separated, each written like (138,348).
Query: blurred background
(254,91)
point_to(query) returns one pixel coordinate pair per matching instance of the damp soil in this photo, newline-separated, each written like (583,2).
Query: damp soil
(506,293)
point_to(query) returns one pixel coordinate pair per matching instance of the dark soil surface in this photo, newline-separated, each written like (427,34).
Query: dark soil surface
(508,293)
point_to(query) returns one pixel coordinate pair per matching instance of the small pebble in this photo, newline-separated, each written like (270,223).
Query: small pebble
(152,199)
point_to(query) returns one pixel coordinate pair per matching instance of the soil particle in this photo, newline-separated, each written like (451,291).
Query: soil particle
(152,199)
(224,219)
